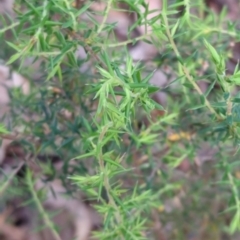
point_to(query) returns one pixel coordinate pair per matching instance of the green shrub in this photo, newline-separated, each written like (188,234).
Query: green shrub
(124,157)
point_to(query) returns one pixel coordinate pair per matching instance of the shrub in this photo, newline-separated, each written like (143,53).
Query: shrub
(143,164)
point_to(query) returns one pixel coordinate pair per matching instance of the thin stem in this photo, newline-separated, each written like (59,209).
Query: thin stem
(230,33)
(106,180)
(124,43)
(184,69)
(6,184)
(71,14)
(108,188)
(234,190)
(198,89)
(105,16)
(9,27)
(41,210)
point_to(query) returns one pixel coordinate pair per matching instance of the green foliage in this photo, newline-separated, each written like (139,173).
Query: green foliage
(116,162)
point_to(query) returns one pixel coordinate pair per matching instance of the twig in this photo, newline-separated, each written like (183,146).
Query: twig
(41,209)
(105,16)
(106,181)
(124,43)
(184,69)
(6,184)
